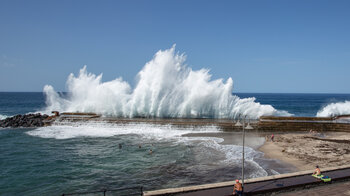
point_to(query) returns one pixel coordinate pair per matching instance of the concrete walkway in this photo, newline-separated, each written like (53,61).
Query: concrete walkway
(265,185)
(339,189)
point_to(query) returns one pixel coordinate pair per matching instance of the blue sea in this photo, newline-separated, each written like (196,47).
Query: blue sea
(68,158)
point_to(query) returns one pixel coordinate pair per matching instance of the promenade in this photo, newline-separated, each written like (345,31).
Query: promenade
(277,184)
(338,189)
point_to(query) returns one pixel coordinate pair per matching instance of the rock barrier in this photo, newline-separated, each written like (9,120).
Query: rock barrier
(27,120)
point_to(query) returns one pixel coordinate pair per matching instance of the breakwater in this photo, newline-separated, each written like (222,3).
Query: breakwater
(27,120)
(263,124)
(292,124)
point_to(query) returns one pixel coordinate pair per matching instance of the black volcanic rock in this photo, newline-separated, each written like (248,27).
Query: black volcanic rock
(27,120)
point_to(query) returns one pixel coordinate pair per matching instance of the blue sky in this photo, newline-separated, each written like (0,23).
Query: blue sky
(265,46)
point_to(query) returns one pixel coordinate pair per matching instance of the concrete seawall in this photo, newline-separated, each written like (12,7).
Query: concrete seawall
(265,123)
(291,124)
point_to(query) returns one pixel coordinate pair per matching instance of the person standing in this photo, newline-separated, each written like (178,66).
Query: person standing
(237,189)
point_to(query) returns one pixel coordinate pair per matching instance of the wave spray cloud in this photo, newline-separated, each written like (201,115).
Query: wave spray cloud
(166,88)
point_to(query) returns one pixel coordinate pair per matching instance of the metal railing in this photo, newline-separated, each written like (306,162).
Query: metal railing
(120,192)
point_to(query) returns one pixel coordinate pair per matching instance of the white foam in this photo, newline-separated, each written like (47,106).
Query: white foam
(166,88)
(3,117)
(234,154)
(155,132)
(334,109)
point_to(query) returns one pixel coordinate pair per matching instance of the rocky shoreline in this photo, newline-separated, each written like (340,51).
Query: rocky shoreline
(27,120)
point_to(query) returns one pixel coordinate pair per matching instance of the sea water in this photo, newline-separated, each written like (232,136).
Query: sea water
(86,157)
(63,159)
(75,157)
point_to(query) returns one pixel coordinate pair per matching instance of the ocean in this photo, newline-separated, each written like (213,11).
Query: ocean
(95,156)
(79,157)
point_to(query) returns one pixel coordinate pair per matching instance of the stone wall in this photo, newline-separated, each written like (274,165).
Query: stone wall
(292,124)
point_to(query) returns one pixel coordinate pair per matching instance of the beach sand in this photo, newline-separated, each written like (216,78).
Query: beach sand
(254,140)
(296,151)
(305,150)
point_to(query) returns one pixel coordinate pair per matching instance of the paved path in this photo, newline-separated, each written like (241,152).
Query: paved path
(339,189)
(274,185)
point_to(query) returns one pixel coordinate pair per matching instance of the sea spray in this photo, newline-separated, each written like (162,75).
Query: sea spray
(334,109)
(2,117)
(166,88)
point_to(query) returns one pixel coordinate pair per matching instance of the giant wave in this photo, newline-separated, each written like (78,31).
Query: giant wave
(166,88)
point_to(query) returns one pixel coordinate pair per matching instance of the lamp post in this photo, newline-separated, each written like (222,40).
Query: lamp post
(243,140)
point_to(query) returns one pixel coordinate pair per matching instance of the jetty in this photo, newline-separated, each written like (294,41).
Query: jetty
(263,124)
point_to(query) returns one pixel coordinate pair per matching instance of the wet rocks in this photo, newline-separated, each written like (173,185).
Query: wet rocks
(27,120)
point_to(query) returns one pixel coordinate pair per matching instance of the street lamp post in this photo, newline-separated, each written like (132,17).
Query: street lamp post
(243,140)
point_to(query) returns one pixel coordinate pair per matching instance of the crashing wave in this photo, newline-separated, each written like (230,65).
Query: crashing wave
(335,109)
(2,117)
(166,88)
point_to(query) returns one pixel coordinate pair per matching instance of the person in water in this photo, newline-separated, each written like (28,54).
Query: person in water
(317,171)
(237,189)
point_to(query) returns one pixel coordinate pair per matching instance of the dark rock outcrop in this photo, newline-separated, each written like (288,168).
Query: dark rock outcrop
(27,120)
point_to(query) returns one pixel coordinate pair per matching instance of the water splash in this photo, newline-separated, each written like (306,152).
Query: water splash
(334,109)
(166,88)
(2,117)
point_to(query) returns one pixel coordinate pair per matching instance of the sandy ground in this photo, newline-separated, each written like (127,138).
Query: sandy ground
(305,150)
(253,140)
(302,150)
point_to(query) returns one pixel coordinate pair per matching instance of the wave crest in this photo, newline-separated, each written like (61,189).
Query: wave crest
(166,88)
(335,109)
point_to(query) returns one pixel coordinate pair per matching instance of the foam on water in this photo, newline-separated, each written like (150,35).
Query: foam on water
(155,132)
(233,154)
(2,117)
(158,133)
(166,88)
(334,109)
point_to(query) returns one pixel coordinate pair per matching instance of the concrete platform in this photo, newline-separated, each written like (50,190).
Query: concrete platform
(338,189)
(261,185)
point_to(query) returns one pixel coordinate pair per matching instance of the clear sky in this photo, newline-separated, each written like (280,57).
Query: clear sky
(280,46)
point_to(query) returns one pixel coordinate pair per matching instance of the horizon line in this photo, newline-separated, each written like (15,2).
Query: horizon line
(232,92)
